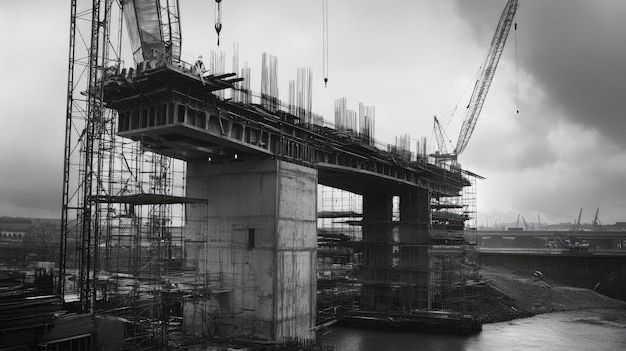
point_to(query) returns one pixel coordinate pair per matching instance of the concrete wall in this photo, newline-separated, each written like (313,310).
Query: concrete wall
(256,240)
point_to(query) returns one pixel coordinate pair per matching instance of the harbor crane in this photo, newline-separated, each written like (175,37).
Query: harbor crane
(577,226)
(523,220)
(597,225)
(481,87)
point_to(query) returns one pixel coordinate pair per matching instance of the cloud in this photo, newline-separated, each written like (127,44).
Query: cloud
(565,150)
(575,50)
(410,59)
(32,94)
(31,184)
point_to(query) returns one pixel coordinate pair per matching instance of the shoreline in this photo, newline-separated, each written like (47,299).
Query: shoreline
(507,295)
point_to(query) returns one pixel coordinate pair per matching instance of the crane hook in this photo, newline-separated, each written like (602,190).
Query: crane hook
(218,29)
(218,19)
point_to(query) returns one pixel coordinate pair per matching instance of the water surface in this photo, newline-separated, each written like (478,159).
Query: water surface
(575,330)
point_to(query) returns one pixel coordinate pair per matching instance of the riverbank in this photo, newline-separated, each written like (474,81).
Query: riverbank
(507,295)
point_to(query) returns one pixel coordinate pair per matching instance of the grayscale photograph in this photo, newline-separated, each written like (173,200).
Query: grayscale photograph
(313,175)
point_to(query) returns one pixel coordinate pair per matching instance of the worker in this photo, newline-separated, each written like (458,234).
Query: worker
(199,66)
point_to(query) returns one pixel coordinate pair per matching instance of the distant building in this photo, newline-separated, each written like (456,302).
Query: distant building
(6,235)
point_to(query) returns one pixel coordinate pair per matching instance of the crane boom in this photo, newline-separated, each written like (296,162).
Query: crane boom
(597,225)
(481,88)
(441,141)
(154,30)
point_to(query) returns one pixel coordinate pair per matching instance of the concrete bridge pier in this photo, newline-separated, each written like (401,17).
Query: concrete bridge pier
(413,243)
(376,294)
(254,241)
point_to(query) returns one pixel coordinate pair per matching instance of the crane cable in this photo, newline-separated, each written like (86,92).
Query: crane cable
(325,40)
(516,69)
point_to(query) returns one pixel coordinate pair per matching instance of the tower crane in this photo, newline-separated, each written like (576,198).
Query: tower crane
(488,70)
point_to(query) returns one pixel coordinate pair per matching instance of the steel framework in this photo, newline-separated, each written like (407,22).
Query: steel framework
(85,124)
(117,232)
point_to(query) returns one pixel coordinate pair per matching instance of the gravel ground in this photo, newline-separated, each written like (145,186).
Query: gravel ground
(507,295)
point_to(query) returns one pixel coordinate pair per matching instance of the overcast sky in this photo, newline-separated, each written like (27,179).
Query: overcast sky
(564,69)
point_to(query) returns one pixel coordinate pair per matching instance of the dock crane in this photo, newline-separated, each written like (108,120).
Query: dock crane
(517,227)
(577,226)
(525,224)
(597,225)
(481,87)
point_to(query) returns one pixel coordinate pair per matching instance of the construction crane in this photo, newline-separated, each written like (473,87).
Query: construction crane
(481,87)
(576,226)
(525,224)
(441,137)
(154,30)
(517,227)
(597,225)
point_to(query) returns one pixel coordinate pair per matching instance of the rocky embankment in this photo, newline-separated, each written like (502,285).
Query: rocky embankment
(506,295)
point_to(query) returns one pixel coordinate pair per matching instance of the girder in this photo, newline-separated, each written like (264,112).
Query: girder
(174,113)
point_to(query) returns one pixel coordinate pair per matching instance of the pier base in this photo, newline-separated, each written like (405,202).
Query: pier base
(376,293)
(413,249)
(254,241)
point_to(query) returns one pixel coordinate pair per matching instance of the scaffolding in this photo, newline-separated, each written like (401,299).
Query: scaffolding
(401,267)
(122,242)
(131,255)
(338,252)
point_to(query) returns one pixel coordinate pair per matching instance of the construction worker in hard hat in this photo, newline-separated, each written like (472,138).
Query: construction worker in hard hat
(199,66)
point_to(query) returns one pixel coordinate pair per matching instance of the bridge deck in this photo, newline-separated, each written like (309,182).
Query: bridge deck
(174,112)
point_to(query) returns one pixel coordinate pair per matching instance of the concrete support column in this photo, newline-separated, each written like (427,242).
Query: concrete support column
(413,244)
(255,243)
(376,293)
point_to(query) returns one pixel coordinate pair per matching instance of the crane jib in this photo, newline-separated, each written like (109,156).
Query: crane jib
(486,76)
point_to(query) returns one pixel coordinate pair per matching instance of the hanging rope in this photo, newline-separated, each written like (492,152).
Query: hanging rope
(516,73)
(218,19)
(325,40)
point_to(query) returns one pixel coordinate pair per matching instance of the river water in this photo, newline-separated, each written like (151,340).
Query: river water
(596,330)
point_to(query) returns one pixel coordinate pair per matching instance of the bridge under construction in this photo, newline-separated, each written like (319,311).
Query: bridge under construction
(195,209)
